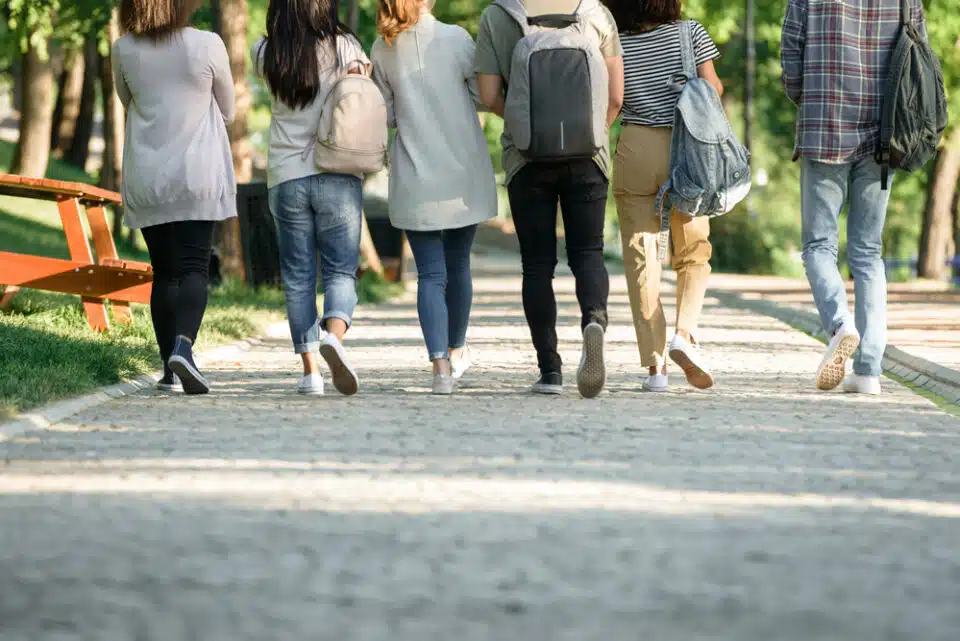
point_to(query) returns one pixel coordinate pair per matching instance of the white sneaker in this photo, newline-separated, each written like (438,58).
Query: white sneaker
(856,384)
(344,376)
(833,367)
(658,382)
(444,385)
(311,385)
(687,355)
(462,362)
(592,374)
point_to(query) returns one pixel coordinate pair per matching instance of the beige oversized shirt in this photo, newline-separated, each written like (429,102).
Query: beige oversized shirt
(441,176)
(499,35)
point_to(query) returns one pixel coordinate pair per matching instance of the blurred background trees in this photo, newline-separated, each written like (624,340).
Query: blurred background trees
(54,64)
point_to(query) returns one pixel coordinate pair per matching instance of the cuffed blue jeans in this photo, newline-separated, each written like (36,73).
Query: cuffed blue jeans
(825,189)
(444,287)
(318,214)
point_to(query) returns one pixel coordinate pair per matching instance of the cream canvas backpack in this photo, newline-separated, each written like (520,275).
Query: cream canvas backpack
(352,136)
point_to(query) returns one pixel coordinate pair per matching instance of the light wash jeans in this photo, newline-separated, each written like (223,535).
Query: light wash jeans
(824,190)
(444,287)
(320,213)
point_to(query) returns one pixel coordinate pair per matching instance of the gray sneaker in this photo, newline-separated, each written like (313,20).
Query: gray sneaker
(444,384)
(592,374)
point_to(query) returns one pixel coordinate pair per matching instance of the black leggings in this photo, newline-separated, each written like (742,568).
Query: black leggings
(180,253)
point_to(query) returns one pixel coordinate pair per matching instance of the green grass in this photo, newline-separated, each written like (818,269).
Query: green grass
(48,352)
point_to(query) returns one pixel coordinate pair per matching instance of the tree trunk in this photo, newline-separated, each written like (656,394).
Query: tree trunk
(36,118)
(113,127)
(233,22)
(937,236)
(67,110)
(79,149)
(16,70)
(353,15)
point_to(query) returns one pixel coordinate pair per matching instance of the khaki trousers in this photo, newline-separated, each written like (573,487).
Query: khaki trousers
(641,166)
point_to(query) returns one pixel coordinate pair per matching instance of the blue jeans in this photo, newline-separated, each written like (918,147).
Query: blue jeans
(824,190)
(444,286)
(320,213)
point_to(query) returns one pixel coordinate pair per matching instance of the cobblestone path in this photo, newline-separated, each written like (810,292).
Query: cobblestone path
(762,510)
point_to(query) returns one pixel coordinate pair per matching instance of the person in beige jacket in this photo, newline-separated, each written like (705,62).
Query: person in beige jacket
(441,178)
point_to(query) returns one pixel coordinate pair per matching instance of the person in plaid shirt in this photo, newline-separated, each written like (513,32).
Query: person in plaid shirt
(835,56)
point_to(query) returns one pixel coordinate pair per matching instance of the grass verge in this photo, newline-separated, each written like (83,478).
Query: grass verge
(48,352)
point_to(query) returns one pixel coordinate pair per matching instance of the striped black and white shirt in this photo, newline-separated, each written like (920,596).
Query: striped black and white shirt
(650,59)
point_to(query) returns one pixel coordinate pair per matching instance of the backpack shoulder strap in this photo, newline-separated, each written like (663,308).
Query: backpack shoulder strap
(905,13)
(686,49)
(516,10)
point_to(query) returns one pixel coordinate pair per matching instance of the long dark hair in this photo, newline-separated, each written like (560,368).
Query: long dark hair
(643,15)
(296,29)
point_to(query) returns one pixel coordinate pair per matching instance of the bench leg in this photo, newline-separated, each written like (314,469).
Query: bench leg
(8,293)
(122,313)
(80,252)
(96,314)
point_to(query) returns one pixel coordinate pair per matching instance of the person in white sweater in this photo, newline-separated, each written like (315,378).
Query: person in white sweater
(178,179)
(441,178)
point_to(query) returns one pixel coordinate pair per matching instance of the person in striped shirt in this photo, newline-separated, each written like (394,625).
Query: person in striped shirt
(650,37)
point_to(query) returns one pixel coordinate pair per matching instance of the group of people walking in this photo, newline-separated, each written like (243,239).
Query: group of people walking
(175,82)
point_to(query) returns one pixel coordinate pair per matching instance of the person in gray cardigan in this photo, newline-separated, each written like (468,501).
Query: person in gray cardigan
(178,179)
(441,178)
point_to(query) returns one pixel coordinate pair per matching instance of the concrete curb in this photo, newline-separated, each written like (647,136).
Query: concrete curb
(45,417)
(940,380)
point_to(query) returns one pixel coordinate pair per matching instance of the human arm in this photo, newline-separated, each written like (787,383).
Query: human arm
(466,53)
(123,90)
(705,52)
(614,88)
(792,41)
(490,85)
(223,91)
(612,51)
(709,73)
(490,88)
(383,83)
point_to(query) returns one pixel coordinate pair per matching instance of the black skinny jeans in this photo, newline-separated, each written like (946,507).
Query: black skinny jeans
(581,190)
(180,253)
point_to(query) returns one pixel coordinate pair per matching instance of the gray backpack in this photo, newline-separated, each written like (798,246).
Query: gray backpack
(709,168)
(914,112)
(556,104)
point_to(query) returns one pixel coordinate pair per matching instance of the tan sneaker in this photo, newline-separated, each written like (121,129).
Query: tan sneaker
(833,367)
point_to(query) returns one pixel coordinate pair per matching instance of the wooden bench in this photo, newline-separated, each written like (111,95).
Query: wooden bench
(95,280)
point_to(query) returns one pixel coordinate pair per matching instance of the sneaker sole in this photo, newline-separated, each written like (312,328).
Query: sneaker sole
(164,387)
(192,381)
(832,373)
(696,376)
(344,379)
(302,392)
(655,390)
(548,390)
(592,375)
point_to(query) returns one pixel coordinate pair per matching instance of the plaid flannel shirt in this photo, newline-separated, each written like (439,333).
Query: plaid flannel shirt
(835,56)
